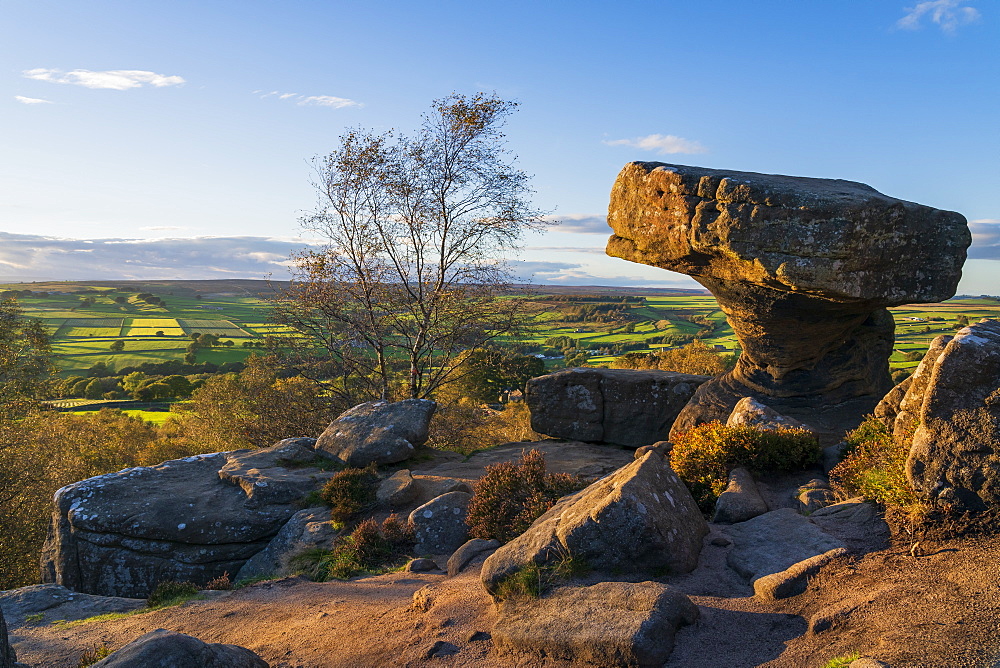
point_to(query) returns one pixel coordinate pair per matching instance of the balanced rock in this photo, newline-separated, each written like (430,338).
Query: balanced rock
(439,525)
(907,412)
(607,624)
(378,431)
(804,269)
(168,649)
(640,518)
(620,406)
(955,453)
(190,519)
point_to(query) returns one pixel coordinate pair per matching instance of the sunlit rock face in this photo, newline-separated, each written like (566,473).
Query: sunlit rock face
(804,269)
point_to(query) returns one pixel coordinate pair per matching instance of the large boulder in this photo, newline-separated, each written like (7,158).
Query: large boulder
(955,452)
(307,529)
(49,602)
(750,412)
(638,519)
(804,269)
(620,406)
(774,541)
(192,519)
(907,414)
(607,624)
(168,649)
(439,525)
(378,431)
(7,656)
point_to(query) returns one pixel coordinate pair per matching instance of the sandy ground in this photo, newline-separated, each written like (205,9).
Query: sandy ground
(937,610)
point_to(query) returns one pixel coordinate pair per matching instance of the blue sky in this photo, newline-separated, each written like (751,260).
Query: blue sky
(151,139)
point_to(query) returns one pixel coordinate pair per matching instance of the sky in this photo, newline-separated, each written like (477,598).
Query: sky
(174,140)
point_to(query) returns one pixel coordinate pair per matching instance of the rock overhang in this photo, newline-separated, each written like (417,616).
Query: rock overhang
(838,240)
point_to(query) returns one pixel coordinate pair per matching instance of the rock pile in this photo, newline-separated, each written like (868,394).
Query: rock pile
(804,270)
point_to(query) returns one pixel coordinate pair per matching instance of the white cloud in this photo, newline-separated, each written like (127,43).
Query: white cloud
(661,144)
(26,256)
(31,100)
(109,79)
(313,100)
(580,223)
(948,14)
(985,239)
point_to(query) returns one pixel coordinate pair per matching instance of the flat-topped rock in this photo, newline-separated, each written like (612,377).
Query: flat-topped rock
(621,406)
(804,269)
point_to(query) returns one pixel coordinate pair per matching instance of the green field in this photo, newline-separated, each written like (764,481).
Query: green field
(84,331)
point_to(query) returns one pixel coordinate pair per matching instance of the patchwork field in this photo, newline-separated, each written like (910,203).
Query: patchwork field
(86,318)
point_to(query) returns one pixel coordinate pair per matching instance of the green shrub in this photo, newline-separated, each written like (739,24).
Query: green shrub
(535,579)
(704,456)
(842,661)
(91,657)
(350,491)
(874,466)
(171,593)
(512,495)
(370,548)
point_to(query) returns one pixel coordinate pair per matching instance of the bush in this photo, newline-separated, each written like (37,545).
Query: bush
(874,466)
(370,548)
(704,455)
(512,495)
(171,593)
(535,579)
(350,491)
(466,427)
(696,358)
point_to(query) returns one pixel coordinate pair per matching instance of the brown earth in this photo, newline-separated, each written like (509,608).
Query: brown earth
(938,609)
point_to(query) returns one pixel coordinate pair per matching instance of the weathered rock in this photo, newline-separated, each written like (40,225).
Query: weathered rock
(772,542)
(7,656)
(168,649)
(793,580)
(640,518)
(397,490)
(439,525)
(814,495)
(378,431)
(421,565)
(855,522)
(955,453)
(469,551)
(660,447)
(54,602)
(427,487)
(751,412)
(740,501)
(309,528)
(888,408)
(908,413)
(804,270)
(606,624)
(190,519)
(571,457)
(621,406)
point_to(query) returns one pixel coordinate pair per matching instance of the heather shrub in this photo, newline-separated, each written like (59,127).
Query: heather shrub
(512,495)
(704,456)
(371,548)
(350,491)
(874,466)
(171,593)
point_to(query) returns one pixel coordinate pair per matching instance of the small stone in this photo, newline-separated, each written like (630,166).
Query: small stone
(441,648)
(478,636)
(468,552)
(421,565)
(397,490)
(422,599)
(740,501)
(720,541)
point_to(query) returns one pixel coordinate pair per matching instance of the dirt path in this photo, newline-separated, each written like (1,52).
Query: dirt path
(940,610)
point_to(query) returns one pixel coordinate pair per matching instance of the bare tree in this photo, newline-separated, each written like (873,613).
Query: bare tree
(414,268)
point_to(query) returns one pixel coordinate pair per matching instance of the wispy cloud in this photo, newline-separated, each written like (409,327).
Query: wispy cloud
(31,100)
(26,256)
(581,223)
(985,239)
(948,14)
(311,100)
(109,79)
(662,144)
